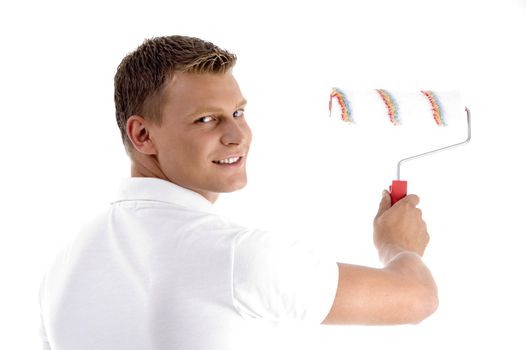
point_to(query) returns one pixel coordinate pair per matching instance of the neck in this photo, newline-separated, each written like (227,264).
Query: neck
(148,168)
(139,169)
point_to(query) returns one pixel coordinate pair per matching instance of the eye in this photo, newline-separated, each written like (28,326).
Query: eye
(239,113)
(206,119)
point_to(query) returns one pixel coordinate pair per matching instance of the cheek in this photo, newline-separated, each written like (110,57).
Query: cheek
(189,149)
(197,150)
(175,149)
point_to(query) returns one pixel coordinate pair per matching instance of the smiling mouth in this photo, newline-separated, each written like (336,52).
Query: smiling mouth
(231,160)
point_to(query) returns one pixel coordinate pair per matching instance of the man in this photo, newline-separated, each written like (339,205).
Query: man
(159,269)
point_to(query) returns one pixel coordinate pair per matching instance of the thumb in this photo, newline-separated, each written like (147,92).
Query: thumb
(385,203)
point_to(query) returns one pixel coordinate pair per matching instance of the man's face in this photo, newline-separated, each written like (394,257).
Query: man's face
(203,140)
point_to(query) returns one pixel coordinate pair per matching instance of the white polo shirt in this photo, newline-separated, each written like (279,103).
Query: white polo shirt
(160,270)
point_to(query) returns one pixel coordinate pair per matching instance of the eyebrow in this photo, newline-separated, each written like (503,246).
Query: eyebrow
(213,109)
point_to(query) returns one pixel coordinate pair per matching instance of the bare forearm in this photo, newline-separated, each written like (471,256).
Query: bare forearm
(402,292)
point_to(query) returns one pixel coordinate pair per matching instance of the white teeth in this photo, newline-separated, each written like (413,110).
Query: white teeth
(228,160)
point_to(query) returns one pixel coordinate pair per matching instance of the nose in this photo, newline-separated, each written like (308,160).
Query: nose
(235,132)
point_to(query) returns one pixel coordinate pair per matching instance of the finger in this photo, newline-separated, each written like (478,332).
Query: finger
(385,203)
(411,199)
(427,237)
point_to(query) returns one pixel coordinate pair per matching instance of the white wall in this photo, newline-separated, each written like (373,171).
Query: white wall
(62,156)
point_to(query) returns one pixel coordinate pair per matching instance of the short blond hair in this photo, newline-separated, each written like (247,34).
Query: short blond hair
(142,75)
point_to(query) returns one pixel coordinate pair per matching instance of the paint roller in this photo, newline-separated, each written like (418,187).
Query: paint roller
(424,107)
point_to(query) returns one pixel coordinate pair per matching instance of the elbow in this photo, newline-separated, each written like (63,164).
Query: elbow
(432,303)
(425,305)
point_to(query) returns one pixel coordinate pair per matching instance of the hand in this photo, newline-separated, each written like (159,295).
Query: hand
(399,227)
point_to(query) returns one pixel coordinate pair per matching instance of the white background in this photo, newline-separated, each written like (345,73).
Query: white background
(62,157)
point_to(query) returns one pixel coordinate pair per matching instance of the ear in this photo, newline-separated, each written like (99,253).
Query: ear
(139,135)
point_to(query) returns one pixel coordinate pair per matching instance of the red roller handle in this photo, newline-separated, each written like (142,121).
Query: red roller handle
(398,190)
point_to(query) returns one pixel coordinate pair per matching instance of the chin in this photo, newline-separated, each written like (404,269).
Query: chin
(235,186)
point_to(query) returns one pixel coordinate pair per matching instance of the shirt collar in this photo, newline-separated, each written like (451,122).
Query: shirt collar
(154,189)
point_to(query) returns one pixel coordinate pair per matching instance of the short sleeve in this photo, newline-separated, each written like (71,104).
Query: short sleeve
(279,279)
